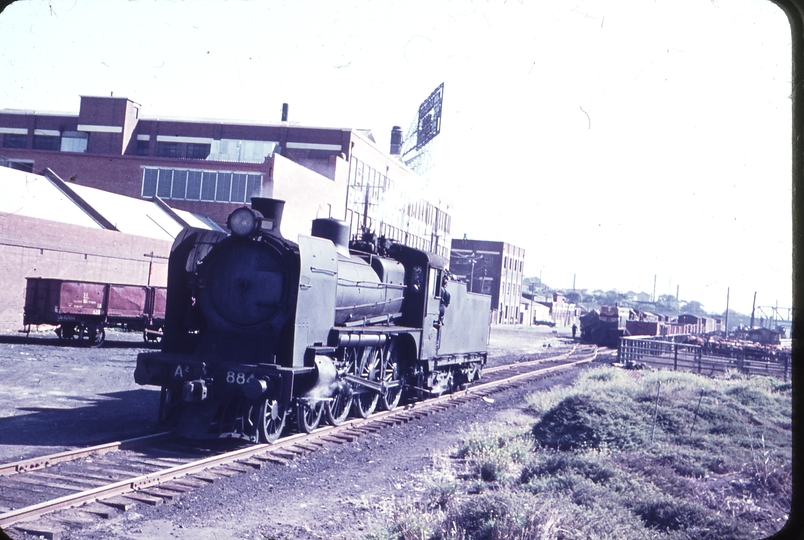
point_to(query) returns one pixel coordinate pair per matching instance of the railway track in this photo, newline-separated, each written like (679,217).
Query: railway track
(105,479)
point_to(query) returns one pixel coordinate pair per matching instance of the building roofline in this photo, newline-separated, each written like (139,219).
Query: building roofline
(170,212)
(193,120)
(33,111)
(78,200)
(110,97)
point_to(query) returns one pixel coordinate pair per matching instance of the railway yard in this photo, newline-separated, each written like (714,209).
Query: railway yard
(61,398)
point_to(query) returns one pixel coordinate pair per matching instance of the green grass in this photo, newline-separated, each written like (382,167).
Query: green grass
(601,460)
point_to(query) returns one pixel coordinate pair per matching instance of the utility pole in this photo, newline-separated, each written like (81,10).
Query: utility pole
(727,311)
(753,308)
(472,274)
(654,288)
(573,282)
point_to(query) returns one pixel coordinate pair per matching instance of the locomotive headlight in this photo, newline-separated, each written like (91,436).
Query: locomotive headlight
(244,221)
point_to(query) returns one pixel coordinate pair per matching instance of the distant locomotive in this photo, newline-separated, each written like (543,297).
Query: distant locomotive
(260,329)
(602,328)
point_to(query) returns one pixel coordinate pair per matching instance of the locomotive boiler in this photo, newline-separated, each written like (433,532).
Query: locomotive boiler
(261,332)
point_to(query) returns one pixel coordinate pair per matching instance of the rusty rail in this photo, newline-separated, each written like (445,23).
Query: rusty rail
(346,431)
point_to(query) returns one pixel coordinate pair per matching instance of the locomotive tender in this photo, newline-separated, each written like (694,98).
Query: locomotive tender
(261,331)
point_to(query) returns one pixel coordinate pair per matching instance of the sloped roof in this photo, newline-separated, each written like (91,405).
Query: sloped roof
(196,220)
(37,196)
(129,215)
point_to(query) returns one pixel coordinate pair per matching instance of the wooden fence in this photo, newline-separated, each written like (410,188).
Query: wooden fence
(680,356)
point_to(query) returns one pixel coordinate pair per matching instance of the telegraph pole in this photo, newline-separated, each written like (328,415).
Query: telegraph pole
(753,308)
(727,312)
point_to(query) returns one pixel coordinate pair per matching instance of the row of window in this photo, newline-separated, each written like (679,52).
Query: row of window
(175,150)
(223,150)
(367,182)
(69,141)
(190,185)
(512,264)
(356,221)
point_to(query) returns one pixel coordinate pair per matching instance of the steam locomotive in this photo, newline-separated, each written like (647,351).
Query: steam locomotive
(262,333)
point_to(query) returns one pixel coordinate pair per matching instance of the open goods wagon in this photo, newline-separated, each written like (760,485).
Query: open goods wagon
(82,309)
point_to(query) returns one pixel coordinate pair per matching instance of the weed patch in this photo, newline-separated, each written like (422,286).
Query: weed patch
(605,459)
(582,421)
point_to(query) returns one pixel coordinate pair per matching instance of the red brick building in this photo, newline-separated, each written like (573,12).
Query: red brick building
(212,167)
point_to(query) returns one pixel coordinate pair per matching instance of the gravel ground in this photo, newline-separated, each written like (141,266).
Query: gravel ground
(56,397)
(90,397)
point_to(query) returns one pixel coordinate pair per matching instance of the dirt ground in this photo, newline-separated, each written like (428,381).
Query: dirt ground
(56,398)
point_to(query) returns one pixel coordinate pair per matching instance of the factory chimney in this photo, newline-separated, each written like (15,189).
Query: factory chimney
(396,140)
(284,112)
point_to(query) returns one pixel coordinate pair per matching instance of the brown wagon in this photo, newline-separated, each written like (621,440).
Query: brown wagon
(83,309)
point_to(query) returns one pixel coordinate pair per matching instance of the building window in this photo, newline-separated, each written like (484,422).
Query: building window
(168,149)
(25,166)
(12,140)
(253,186)
(45,142)
(179,189)
(143,148)
(208,186)
(224,190)
(193,185)
(197,151)
(183,184)
(239,187)
(74,141)
(149,183)
(163,185)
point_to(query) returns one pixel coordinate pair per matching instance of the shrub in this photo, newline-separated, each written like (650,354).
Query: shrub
(499,515)
(582,421)
(440,483)
(494,452)
(690,519)
(750,397)
(406,520)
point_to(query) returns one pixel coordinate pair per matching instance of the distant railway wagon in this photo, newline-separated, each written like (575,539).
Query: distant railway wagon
(83,309)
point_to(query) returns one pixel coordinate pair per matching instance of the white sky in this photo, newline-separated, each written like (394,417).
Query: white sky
(681,170)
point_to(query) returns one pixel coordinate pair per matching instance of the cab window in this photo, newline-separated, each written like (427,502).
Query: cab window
(435,282)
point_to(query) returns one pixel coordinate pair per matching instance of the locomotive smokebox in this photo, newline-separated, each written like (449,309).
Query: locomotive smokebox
(271,209)
(333,230)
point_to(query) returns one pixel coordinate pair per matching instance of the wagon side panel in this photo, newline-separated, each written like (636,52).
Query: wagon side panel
(127,302)
(82,298)
(158,302)
(40,304)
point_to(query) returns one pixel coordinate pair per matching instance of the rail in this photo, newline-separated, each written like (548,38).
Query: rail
(279,451)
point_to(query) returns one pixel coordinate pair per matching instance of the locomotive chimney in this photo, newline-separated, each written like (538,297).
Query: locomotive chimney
(271,209)
(284,112)
(396,140)
(335,231)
